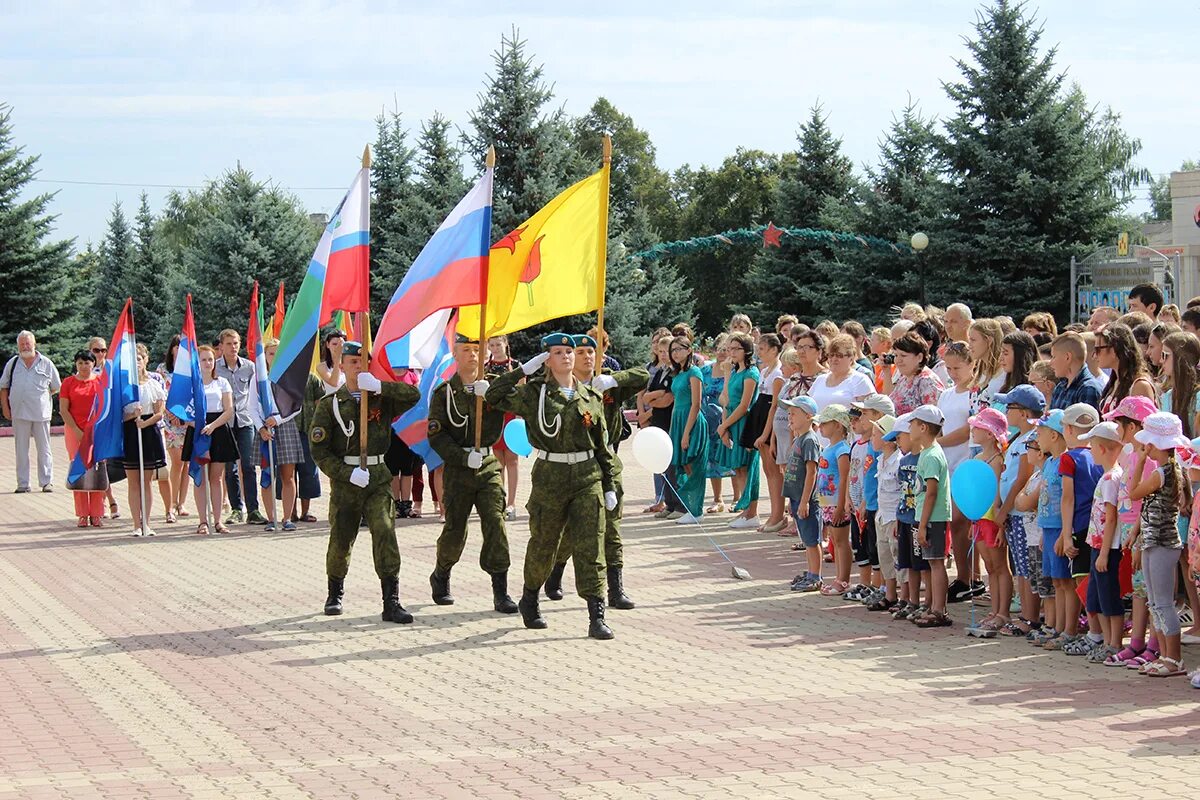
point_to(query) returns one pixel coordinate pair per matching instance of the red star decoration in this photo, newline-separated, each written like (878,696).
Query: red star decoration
(772,235)
(510,240)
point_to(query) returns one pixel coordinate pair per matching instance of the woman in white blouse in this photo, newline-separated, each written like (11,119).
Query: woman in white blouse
(842,384)
(218,397)
(144,454)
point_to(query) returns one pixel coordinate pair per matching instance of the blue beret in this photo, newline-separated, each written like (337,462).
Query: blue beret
(352,349)
(583,340)
(557,340)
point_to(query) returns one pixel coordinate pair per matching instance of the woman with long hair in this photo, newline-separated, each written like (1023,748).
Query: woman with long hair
(1153,349)
(985,338)
(759,430)
(1018,352)
(689,429)
(654,405)
(218,397)
(329,368)
(1118,351)
(714,374)
(740,389)
(174,432)
(144,454)
(500,360)
(75,401)
(1181,355)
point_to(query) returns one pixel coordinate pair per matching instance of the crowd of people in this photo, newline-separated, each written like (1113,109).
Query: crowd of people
(1091,544)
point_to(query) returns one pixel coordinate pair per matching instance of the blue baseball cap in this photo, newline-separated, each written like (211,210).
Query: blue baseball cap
(1026,396)
(804,403)
(1053,421)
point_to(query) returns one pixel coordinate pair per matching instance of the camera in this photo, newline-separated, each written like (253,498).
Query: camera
(889,359)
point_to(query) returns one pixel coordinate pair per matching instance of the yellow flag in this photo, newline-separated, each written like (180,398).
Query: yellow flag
(551,266)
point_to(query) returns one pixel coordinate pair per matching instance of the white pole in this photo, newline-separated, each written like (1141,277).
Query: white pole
(274,477)
(207,510)
(142,493)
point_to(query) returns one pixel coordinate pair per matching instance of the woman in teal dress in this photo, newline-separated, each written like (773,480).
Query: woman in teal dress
(689,430)
(740,390)
(713,374)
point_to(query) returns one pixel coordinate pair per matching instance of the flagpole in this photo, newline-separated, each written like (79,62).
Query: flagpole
(483,304)
(366,345)
(271,466)
(602,252)
(137,417)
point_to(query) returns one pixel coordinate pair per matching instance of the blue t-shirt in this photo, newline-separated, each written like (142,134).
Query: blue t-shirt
(1079,464)
(907,510)
(828,475)
(871,478)
(1012,461)
(1049,513)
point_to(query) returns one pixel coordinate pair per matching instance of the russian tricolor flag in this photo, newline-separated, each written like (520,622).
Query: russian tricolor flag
(186,398)
(104,434)
(413,425)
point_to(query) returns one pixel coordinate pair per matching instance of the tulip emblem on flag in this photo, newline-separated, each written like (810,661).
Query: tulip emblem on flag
(533,268)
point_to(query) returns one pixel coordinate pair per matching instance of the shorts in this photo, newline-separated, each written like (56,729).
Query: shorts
(935,536)
(985,532)
(1104,588)
(1054,566)
(1018,545)
(827,516)
(907,556)
(885,548)
(1081,564)
(810,526)
(862,540)
(1139,584)
(1040,583)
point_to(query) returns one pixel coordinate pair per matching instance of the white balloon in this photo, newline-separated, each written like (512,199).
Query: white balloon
(653,449)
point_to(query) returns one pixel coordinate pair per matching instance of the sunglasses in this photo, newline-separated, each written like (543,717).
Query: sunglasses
(99,349)
(855,413)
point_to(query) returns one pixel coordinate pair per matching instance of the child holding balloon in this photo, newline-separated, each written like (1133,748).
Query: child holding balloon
(989,432)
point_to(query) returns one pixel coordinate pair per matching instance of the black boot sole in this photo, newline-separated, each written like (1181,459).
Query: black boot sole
(399,618)
(333,611)
(506,608)
(555,596)
(603,632)
(623,603)
(445,600)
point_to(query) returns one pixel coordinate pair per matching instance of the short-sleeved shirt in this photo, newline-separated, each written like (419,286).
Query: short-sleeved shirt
(908,393)
(871,478)
(1050,497)
(239,380)
(30,386)
(1128,509)
(81,397)
(1105,495)
(957,408)
(1079,465)
(906,511)
(858,464)
(828,475)
(932,465)
(1012,461)
(1083,388)
(852,387)
(805,449)
(213,392)
(150,391)
(889,485)
(1168,398)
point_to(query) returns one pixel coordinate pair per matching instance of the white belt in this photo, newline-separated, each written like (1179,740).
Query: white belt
(565,458)
(371,460)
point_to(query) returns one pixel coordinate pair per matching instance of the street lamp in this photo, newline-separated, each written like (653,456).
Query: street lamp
(919,242)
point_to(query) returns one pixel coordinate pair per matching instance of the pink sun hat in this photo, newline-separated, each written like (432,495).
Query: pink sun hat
(1164,431)
(1133,407)
(992,421)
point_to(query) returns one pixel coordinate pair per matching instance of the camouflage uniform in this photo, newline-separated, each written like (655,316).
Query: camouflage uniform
(565,498)
(629,383)
(331,446)
(452,422)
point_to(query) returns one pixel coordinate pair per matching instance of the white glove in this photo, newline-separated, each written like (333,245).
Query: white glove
(480,387)
(360,477)
(602,383)
(610,501)
(474,459)
(534,364)
(369,383)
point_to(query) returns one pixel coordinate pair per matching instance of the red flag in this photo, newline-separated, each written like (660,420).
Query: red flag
(347,261)
(277,322)
(253,332)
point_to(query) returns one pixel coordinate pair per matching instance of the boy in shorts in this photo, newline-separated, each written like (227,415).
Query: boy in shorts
(799,487)
(1080,473)
(933,506)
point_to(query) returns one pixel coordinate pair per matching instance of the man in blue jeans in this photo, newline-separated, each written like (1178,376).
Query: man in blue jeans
(243,493)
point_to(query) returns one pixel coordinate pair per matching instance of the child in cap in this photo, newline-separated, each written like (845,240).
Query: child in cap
(1023,406)
(1080,473)
(956,403)
(933,505)
(1157,544)
(989,431)
(888,498)
(879,426)
(833,492)
(861,529)
(799,487)
(909,564)
(1055,565)
(1104,586)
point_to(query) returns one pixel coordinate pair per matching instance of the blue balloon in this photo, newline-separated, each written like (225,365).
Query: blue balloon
(516,438)
(973,489)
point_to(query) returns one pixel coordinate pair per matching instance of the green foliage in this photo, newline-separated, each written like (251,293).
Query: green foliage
(1160,193)
(148,280)
(396,230)
(440,180)
(113,285)
(36,271)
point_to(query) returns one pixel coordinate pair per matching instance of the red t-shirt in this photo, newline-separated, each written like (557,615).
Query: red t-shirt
(81,396)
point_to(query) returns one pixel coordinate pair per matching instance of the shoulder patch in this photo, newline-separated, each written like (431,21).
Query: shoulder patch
(317,435)
(434,427)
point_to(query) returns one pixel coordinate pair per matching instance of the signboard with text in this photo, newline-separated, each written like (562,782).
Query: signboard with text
(1106,276)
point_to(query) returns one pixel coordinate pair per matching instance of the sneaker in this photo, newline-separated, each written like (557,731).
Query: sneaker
(269,527)
(978,589)
(855,592)
(255,518)
(743,523)
(148,532)
(957,591)
(874,597)
(289,526)
(234,518)
(136,532)
(510,513)
(686,519)
(809,583)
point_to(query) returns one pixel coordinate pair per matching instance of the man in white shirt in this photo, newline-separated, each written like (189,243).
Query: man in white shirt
(26,386)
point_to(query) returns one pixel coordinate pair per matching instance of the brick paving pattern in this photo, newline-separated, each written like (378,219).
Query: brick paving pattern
(201,667)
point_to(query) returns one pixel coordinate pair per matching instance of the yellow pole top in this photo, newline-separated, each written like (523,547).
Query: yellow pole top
(366,162)
(491,157)
(607,149)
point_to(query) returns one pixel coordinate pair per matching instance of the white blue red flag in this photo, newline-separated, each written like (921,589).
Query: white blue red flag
(104,433)
(445,275)
(186,397)
(413,425)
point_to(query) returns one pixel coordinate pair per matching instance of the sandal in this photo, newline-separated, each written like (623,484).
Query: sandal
(799,547)
(1164,667)
(993,624)
(96,522)
(171,517)
(935,619)
(308,518)
(835,589)
(83,522)
(1012,628)
(202,529)
(1143,658)
(182,512)
(654,509)
(718,508)
(221,528)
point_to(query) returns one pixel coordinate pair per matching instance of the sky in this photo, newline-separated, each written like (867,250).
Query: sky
(171,94)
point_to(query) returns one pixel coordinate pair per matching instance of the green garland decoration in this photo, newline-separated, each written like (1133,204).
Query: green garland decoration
(751,235)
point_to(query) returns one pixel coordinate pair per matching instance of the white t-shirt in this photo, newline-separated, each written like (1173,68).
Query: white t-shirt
(956,407)
(213,392)
(769,380)
(151,392)
(889,487)
(989,392)
(853,386)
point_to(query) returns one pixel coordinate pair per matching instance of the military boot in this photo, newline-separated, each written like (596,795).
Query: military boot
(529,609)
(500,599)
(440,583)
(392,610)
(616,590)
(597,629)
(333,603)
(554,582)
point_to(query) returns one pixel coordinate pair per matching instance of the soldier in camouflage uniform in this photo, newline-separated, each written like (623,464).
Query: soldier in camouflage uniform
(571,485)
(357,494)
(617,388)
(471,478)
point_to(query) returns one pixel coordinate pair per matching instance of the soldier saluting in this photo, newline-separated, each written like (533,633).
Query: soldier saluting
(471,478)
(572,482)
(357,494)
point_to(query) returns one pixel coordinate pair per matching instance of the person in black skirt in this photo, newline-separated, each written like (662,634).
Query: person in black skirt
(144,452)
(218,396)
(286,449)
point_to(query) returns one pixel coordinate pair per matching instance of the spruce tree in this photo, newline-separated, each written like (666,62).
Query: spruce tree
(36,270)
(113,284)
(147,281)
(440,183)
(397,228)
(816,191)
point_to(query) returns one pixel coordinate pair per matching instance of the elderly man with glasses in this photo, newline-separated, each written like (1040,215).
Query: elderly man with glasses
(29,381)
